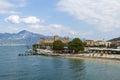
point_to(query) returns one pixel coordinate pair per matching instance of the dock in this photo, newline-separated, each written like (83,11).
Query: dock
(42,54)
(25,54)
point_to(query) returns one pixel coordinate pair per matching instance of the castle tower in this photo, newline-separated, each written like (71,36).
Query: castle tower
(56,37)
(42,40)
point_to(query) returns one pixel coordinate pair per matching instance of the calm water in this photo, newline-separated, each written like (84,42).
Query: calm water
(14,67)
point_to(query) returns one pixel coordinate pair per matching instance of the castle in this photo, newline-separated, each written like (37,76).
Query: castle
(48,42)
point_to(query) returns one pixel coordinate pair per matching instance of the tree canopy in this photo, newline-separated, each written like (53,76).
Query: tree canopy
(58,45)
(76,44)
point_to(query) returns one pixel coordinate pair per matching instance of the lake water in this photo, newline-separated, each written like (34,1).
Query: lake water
(14,67)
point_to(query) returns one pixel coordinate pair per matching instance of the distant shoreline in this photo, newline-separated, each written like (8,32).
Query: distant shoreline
(12,44)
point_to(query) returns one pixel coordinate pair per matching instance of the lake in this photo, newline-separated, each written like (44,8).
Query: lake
(14,67)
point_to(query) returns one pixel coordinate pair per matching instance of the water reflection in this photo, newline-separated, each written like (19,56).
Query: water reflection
(68,69)
(77,67)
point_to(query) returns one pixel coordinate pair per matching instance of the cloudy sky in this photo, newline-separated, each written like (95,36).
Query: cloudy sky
(90,19)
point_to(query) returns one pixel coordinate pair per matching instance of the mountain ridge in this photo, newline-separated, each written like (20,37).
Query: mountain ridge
(22,37)
(115,39)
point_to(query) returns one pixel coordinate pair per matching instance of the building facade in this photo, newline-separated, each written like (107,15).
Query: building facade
(89,42)
(98,43)
(117,43)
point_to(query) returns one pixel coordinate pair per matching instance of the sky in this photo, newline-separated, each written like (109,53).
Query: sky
(89,19)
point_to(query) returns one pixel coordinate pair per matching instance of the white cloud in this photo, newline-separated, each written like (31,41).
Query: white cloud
(27,20)
(57,29)
(32,24)
(101,13)
(4,4)
(10,29)
(31,20)
(8,12)
(13,19)
(8,6)
(55,26)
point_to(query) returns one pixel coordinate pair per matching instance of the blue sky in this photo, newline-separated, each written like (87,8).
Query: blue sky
(90,19)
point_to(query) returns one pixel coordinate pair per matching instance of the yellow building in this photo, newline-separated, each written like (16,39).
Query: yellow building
(89,42)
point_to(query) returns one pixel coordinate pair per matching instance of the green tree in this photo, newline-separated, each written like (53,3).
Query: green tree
(76,44)
(58,45)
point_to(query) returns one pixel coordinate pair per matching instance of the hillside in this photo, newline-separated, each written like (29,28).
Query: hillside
(115,39)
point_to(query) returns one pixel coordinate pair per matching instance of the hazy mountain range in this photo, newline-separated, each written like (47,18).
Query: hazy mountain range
(21,38)
(26,38)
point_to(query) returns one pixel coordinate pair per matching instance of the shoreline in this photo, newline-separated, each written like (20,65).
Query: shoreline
(97,59)
(81,56)
(107,58)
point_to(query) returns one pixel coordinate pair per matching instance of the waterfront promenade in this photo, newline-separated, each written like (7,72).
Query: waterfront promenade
(88,56)
(80,55)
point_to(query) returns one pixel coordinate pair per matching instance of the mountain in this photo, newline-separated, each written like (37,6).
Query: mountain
(23,37)
(115,39)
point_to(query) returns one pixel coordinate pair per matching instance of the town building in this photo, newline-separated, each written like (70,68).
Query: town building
(89,42)
(98,43)
(117,43)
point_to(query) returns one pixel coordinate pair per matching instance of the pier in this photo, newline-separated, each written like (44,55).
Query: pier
(43,54)
(25,54)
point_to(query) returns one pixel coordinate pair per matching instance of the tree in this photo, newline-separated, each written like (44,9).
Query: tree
(76,44)
(58,45)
